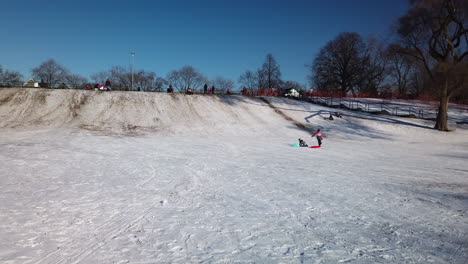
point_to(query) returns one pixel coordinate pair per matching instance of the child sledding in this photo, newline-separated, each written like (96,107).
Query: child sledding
(319,137)
(302,143)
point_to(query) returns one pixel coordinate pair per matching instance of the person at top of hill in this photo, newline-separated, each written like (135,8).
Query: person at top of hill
(170,89)
(108,85)
(319,136)
(228,91)
(205,88)
(212,89)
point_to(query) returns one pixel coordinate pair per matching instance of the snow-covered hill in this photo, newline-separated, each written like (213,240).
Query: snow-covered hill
(121,177)
(130,112)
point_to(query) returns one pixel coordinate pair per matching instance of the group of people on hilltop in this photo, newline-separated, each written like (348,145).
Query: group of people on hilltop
(206,90)
(97,86)
(107,87)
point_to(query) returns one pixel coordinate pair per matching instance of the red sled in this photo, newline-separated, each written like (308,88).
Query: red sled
(315,147)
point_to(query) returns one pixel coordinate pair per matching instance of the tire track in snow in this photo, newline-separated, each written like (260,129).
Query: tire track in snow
(285,116)
(109,230)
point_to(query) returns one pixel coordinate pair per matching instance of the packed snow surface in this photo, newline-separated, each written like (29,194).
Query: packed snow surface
(121,177)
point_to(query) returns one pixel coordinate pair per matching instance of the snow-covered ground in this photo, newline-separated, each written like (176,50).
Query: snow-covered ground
(121,177)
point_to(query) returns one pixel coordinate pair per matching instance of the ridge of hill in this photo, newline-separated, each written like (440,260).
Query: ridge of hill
(133,113)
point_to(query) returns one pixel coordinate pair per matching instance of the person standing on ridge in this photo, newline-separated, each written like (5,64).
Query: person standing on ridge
(212,89)
(108,85)
(205,88)
(170,89)
(319,136)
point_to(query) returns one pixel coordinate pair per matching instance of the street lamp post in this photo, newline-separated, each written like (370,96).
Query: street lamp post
(133,65)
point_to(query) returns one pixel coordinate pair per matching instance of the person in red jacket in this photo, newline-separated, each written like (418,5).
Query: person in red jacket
(108,85)
(319,136)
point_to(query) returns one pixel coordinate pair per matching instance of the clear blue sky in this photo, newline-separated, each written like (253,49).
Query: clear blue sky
(218,38)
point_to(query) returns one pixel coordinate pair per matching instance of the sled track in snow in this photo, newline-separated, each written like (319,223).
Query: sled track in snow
(285,116)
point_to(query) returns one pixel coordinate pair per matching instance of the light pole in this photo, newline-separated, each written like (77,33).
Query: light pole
(133,65)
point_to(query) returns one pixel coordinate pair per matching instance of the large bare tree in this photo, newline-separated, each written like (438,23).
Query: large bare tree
(144,81)
(374,68)
(401,69)
(159,84)
(10,78)
(186,77)
(101,77)
(339,64)
(75,80)
(121,78)
(270,72)
(223,84)
(249,81)
(50,72)
(436,33)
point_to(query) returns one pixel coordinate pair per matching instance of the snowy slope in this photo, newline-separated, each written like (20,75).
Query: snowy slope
(125,113)
(158,178)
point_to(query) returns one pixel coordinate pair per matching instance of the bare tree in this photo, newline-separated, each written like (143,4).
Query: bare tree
(271,72)
(121,78)
(159,84)
(292,85)
(249,80)
(223,84)
(10,78)
(399,69)
(50,72)
(144,80)
(436,33)
(262,82)
(101,77)
(185,78)
(339,65)
(75,80)
(374,68)
(175,79)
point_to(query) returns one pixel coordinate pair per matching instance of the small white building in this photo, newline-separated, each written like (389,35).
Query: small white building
(31,84)
(291,93)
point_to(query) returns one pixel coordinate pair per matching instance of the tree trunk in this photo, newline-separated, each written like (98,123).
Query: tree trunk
(442,116)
